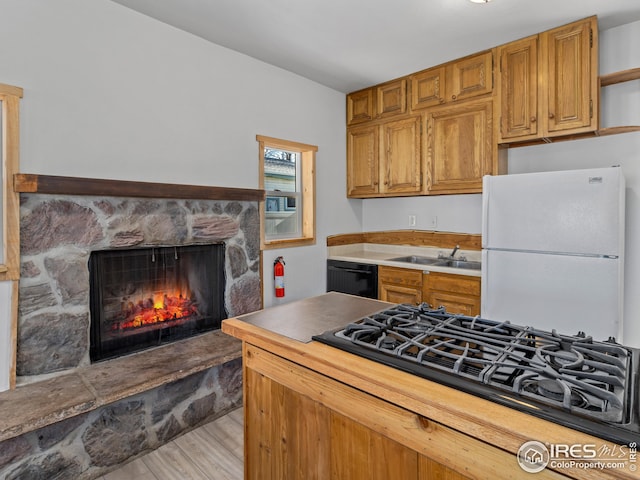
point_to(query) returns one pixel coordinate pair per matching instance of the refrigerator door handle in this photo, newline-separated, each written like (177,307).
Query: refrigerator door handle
(484,298)
(485,209)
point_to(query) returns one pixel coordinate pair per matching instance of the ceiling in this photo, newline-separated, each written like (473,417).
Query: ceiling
(352,44)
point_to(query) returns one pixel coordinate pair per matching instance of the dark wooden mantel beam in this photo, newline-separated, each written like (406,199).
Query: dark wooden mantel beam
(31,183)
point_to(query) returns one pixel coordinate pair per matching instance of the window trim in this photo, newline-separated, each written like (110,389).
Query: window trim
(10,96)
(307,180)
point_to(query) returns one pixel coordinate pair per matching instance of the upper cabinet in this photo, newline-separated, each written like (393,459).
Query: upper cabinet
(455,81)
(440,130)
(391,98)
(360,106)
(460,147)
(548,84)
(386,100)
(385,159)
(387,132)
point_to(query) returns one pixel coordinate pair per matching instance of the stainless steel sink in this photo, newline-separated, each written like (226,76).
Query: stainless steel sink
(438,262)
(471,265)
(416,259)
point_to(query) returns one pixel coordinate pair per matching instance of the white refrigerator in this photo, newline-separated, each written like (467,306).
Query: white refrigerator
(553,250)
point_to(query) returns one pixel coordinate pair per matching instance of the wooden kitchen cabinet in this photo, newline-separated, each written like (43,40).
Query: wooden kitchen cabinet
(385,100)
(455,81)
(399,285)
(378,457)
(460,147)
(401,157)
(360,107)
(457,293)
(363,162)
(302,424)
(391,98)
(299,424)
(289,435)
(548,84)
(385,159)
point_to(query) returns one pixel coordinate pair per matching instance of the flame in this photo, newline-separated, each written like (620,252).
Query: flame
(160,308)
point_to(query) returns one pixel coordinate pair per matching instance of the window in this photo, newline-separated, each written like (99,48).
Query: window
(287,175)
(9,201)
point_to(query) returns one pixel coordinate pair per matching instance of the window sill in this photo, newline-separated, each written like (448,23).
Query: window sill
(289,242)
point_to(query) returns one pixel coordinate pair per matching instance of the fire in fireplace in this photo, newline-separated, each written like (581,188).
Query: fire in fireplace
(145,297)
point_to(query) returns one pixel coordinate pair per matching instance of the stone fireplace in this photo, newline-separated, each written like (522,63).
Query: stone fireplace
(71,417)
(58,235)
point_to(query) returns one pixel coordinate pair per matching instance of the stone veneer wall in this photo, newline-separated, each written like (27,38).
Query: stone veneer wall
(57,234)
(89,445)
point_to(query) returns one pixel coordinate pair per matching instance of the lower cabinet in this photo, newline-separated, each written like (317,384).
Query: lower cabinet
(300,424)
(457,293)
(399,285)
(291,434)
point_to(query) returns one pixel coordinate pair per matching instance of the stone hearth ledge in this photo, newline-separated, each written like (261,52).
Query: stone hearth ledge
(36,405)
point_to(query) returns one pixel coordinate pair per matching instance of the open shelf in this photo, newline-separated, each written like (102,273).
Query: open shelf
(612,79)
(620,77)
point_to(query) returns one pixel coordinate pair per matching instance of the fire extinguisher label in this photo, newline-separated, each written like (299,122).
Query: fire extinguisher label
(279,282)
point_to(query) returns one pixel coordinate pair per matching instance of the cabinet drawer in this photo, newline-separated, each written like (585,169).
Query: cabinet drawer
(400,276)
(445,282)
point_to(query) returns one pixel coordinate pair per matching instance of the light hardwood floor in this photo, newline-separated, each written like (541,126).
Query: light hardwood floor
(211,452)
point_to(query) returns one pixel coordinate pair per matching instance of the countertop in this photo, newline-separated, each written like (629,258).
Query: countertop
(381,254)
(275,330)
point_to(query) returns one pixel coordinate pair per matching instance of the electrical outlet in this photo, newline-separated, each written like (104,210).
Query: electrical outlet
(433,222)
(412,220)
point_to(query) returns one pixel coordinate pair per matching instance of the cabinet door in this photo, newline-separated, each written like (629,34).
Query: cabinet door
(460,147)
(427,88)
(401,154)
(457,293)
(518,88)
(279,444)
(470,77)
(362,161)
(359,453)
(389,292)
(454,302)
(391,98)
(572,70)
(399,285)
(360,106)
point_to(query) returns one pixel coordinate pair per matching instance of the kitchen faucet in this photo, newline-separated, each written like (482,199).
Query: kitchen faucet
(451,255)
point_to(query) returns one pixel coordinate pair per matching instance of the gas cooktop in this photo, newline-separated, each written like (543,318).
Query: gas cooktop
(588,385)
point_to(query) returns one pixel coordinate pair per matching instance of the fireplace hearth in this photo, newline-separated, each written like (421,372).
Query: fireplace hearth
(146,297)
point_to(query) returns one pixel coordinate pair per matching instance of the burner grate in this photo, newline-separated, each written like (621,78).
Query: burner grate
(572,373)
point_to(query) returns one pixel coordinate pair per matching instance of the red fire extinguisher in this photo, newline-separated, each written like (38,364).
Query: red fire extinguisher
(278,276)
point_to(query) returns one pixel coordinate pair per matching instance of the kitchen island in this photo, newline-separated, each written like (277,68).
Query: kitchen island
(313,411)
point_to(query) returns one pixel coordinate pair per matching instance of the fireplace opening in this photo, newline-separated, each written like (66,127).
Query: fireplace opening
(145,297)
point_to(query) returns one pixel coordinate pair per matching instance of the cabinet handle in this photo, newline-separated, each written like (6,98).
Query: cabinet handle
(551,115)
(533,119)
(453,97)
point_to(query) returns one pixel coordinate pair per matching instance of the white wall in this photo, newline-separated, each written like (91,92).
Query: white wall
(619,50)
(109,93)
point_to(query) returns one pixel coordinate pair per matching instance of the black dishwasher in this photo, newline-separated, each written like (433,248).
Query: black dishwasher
(350,277)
